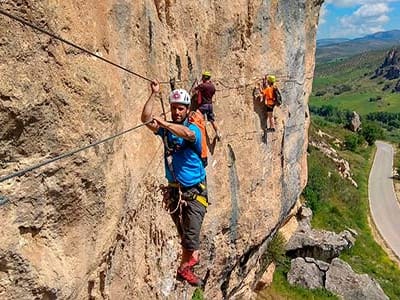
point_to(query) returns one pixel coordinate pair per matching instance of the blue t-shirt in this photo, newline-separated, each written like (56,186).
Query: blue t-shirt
(187,164)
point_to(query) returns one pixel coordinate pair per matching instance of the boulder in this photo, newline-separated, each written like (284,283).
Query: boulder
(343,281)
(338,278)
(307,273)
(355,123)
(323,266)
(304,218)
(319,244)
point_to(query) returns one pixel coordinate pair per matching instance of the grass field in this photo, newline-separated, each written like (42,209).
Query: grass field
(360,103)
(348,85)
(356,73)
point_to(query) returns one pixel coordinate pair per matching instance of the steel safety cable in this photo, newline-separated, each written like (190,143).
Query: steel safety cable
(69,153)
(75,45)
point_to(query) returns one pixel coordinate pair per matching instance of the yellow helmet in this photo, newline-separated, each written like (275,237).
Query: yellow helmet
(271,78)
(206,73)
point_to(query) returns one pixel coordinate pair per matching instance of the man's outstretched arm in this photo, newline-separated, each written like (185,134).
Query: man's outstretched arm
(147,113)
(177,129)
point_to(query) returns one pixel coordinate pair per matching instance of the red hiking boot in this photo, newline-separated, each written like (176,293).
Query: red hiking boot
(192,262)
(189,276)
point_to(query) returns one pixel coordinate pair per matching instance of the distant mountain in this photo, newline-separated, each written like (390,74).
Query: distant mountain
(392,35)
(326,42)
(340,50)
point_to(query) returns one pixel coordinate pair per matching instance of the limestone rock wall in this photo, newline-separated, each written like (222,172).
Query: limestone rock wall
(92,226)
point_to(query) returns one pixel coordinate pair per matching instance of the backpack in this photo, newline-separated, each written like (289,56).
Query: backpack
(278,96)
(197,118)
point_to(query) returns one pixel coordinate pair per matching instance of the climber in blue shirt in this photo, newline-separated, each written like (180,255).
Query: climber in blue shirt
(186,194)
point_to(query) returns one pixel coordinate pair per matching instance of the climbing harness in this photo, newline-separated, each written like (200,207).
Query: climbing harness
(174,191)
(167,192)
(200,195)
(70,153)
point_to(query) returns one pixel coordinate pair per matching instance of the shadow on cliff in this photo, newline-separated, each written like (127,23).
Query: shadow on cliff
(211,143)
(259,109)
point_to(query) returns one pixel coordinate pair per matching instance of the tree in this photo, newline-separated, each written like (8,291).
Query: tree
(351,142)
(371,132)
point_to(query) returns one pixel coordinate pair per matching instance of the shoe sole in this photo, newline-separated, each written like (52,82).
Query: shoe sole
(181,279)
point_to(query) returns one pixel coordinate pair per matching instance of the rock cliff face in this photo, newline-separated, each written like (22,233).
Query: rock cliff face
(92,226)
(390,69)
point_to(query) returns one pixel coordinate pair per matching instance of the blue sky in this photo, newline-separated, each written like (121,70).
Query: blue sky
(356,18)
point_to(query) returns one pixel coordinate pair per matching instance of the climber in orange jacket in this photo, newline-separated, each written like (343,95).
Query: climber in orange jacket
(269,97)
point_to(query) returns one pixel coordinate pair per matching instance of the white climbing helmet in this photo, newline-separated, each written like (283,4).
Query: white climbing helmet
(179,96)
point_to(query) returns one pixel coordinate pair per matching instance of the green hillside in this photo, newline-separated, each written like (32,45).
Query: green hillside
(338,205)
(347,85)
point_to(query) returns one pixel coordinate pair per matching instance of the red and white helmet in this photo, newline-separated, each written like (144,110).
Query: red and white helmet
(179,96)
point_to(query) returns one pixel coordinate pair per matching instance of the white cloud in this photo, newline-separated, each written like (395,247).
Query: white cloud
(371,10)
(322,14)
(368,18)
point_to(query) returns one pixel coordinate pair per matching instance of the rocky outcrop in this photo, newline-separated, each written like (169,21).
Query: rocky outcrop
(92,226)
(390,69)
(307,272)
(319,244)
(315,263)
(343,166)
(343,281)
(304,217)
(337,277)
(355,122)
(266,279)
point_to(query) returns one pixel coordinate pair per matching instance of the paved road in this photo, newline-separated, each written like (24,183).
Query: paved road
(385,209)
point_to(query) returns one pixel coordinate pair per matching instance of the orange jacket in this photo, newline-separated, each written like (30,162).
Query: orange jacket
(269,95)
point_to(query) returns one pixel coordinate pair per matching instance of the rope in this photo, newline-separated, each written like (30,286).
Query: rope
(227,87)
(70,153)
(75,46)
(250,83)
(113,63)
